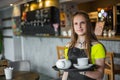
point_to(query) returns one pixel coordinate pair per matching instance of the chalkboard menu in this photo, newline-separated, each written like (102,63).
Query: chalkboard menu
(44,21)
(118,20)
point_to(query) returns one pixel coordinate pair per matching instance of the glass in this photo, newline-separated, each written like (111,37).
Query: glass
(113,32)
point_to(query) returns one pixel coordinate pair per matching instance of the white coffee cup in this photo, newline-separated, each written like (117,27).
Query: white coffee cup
(64,33)
(82,61)
(63,64)
(8,73)
(69,32)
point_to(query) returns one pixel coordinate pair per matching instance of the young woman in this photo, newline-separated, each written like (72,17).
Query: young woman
(84,44)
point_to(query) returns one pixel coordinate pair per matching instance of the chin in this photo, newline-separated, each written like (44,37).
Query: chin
(81,34)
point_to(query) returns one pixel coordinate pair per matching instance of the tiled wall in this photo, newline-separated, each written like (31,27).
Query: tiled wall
(12,44)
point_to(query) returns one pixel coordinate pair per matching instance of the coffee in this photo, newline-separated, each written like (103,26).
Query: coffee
(82,61)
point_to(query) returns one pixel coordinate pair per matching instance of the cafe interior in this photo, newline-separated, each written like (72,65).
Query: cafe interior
(33,31)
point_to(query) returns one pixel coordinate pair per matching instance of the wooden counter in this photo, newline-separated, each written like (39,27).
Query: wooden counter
(23,75)
(113,38)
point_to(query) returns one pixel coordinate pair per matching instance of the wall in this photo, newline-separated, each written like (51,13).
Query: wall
(12,43)
(41,51)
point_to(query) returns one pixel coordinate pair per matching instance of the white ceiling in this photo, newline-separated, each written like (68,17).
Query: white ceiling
(6,3)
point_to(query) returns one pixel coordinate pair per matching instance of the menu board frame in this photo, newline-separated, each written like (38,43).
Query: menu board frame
(99,27)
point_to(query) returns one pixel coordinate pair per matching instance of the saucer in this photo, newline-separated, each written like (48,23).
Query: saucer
(82,67)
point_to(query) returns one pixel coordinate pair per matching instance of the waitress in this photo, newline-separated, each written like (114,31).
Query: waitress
(84,44)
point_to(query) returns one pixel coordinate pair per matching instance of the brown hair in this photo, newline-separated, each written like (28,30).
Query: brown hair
(89,37)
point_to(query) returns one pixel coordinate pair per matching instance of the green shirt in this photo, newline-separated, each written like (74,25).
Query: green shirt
(97,52)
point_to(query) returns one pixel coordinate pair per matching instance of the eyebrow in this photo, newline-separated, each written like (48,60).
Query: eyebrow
(81,22)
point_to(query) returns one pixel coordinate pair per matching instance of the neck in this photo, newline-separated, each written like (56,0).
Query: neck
(82,45)
(81,39)
(81,42)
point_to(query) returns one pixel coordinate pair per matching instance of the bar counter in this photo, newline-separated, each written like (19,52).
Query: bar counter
(113,38)
(41,50)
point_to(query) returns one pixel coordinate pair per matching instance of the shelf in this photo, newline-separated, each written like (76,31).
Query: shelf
(113,38)
(5,19)
(4,36)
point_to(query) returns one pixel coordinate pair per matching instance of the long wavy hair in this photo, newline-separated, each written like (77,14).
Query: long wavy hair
(89,36)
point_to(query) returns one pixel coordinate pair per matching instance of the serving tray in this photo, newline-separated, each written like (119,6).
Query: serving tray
(91,68)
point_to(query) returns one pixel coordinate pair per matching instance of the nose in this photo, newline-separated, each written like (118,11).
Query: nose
(80,25)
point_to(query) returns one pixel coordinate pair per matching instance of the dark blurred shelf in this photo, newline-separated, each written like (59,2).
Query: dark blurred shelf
(7,27)
(8,18)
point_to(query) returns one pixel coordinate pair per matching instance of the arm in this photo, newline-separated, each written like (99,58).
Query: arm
(65,75)
(98,58)
(98,73)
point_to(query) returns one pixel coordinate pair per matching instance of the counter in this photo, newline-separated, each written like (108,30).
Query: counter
(41,51)
(113,38)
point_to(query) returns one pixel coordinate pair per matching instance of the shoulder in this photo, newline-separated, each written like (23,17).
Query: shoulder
(98,50)
(98,47)
(97,44)
(68,44)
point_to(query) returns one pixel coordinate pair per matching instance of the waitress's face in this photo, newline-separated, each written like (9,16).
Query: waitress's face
(79,23)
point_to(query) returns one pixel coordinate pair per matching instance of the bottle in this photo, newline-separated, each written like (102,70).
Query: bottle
(109,33)
(105,33)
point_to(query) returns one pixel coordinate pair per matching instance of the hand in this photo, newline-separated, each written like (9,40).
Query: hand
(83,73)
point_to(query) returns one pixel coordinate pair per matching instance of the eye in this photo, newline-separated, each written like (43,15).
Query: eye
(75,23)
(83,22)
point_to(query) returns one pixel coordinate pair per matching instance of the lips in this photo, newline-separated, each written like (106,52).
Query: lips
(80,30)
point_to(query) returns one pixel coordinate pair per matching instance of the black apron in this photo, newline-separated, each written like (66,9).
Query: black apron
(73,54)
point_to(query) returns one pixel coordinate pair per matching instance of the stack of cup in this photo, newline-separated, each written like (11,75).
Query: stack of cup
(8,73)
